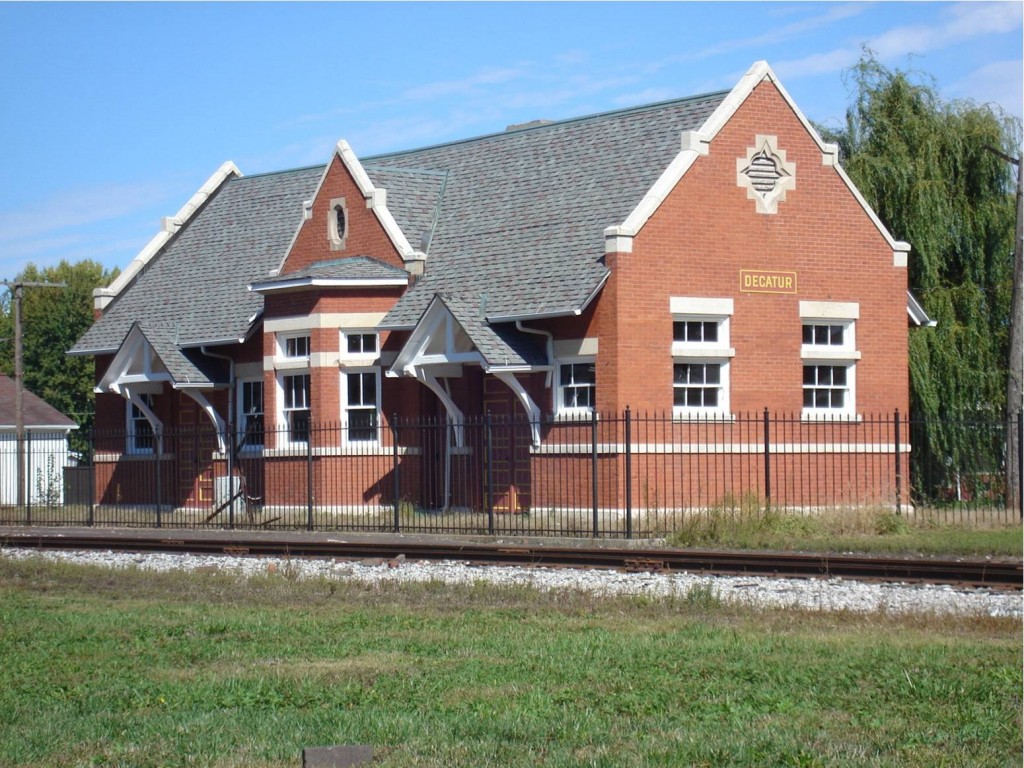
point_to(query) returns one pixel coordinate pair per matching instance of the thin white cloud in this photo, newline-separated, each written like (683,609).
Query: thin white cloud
(776,35)
(1001,82)
(817,64)
(573,57)
(963,22)
(489,77)
(111,246)
(646,96)
(77,208)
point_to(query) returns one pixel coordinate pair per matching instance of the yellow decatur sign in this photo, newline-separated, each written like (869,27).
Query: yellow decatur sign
(759,281)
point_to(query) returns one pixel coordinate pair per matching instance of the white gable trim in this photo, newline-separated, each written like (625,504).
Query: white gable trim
(436,321)
(169,227)
(376,201)
(134,348)
(618,239)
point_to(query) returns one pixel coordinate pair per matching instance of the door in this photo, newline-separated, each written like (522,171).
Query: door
(509,454)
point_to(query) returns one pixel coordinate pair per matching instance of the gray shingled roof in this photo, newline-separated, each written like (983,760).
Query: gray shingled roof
(413,197)
(518,216)
(349,268)
(184,366)
(501,344)
(523,213)
(199,281)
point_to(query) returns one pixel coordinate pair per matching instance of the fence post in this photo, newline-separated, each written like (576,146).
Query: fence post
(899,477)
(92,477)
(309,477)
(629,473)
(233,498)
(1020,462)
(27,479)
(395,486)
(593,468)
(767,463)
(159,463)
(490,474)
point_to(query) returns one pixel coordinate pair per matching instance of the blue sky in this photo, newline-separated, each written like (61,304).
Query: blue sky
(114,114)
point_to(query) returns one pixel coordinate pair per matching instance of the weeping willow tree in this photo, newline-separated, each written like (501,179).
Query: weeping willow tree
(936,174)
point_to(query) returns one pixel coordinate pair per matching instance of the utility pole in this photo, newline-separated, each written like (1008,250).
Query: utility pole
(16,287)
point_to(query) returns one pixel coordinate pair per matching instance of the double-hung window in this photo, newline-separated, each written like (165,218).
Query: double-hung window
(296,411)
(250,414)
(701,356)
(577,387)
(828,351)
(140,431)
(293,378)
(360,387)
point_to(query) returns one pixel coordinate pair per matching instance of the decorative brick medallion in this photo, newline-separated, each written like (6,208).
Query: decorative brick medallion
(765,174)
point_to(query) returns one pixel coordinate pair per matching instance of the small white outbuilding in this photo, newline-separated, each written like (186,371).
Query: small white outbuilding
(46,456)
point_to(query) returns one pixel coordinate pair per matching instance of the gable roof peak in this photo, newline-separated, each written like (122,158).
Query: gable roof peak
(619,238)
(376,200)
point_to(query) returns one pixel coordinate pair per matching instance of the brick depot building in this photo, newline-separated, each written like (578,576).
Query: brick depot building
(701,258)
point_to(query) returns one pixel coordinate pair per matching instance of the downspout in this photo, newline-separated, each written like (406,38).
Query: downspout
(549,347)
(447,458)
(230,436)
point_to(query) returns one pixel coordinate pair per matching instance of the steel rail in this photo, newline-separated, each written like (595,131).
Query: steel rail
(966,573)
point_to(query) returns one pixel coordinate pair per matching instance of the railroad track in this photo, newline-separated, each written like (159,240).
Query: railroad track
(966,573)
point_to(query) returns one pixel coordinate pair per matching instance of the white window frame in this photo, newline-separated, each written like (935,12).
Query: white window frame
(816,354)
(284,340)
(242,416)
(563,411)
(347,334)
(359,363)
(717,352)
(283,411)
(347,408)
(135,418)
(845,350)
(848,409)
(721,409)
(335,235)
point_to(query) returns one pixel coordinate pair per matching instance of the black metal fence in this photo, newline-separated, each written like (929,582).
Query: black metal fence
(619,475)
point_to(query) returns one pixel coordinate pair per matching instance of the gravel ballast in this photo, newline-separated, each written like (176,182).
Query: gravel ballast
(807,594)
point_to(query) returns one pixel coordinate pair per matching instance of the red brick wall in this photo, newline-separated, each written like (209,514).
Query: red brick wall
(325,382)
(366,236)
(707,230)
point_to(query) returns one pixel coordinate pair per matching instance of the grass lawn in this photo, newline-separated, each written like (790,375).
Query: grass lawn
(104,668)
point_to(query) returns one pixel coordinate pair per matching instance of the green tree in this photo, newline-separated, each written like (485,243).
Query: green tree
(928,169)
(53,319)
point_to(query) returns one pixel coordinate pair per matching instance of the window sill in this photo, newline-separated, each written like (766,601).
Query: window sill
(702,417)
(824,353)
(699,352)
(109,458)
(291,363)
(301,451)
(580,417)
(830,416)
